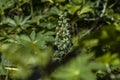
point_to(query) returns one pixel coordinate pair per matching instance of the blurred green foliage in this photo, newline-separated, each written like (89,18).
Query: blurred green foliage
(28,30)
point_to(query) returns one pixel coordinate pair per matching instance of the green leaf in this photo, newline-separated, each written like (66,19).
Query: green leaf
(54,10)
(104,34)
(77,1)
(25,20)
(84,10)
(91,42)
(109,58)
(47,25)
(25,38)
(59,1)
(117,26)
(33,35)
(10,22)
(76,69)
(73,9)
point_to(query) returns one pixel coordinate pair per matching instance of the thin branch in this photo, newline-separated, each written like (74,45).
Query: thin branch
(98,3)
(13,69)
(31,6)
(13,9)
(91,19)
(104,8)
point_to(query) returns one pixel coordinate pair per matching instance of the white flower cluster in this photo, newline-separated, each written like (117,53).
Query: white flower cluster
(63,36)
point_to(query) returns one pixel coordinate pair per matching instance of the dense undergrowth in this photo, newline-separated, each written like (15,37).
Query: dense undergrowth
(59,40)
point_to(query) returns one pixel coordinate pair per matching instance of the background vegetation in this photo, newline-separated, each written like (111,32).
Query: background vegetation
(59,40)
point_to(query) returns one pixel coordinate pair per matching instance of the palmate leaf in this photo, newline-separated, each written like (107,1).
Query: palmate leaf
(43,37)
(10,22)
(25,38)
(39,39)
(17,21)
(77,69)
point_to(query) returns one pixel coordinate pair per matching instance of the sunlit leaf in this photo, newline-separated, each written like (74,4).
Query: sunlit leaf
(73,9)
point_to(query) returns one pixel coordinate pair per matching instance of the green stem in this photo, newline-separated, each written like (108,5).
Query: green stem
(31,6)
